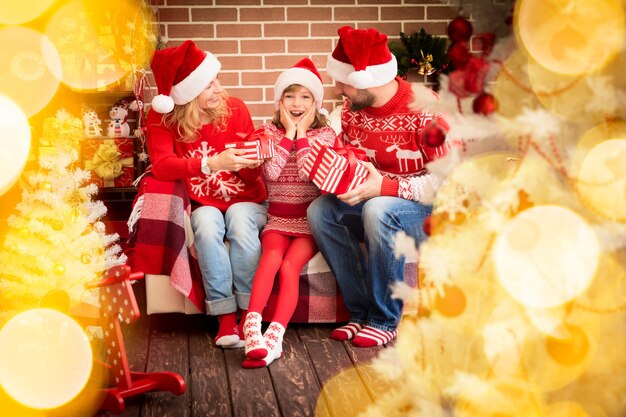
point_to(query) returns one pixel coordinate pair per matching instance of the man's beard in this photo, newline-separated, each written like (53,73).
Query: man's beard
(362,100)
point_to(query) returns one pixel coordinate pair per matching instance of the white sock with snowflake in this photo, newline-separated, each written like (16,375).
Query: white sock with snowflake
(273,339)
(255,345)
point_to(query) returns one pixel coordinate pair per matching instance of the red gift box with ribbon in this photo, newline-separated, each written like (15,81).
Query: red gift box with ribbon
(111,161)
(257,146)
(336,170)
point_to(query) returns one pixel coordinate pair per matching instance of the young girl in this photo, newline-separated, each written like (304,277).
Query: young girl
(191,120)
(286,241)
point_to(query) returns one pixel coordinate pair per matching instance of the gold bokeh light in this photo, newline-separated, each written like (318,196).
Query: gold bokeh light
(45,358)
(570,37)
(30,68)
(14,143)
(18,12)
(546,256)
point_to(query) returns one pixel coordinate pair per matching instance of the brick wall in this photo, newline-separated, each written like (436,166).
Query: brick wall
(257,39)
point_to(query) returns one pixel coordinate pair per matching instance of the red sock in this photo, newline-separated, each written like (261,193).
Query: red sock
(370,336)
(346,332)
(227,335)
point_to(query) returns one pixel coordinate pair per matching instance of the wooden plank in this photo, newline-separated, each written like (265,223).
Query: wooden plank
(251,390)
(342,388)
(295,383)
(169,351)
(362,358)
(209,379)
(318,331)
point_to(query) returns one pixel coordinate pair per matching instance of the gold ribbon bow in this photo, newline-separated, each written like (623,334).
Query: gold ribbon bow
(107,161)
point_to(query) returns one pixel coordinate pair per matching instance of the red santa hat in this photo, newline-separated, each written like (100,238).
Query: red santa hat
(181,74)
(362,59)
(305,74)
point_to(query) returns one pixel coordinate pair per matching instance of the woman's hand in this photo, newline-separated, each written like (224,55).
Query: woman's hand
(230,160)
(307,120)
(287,122)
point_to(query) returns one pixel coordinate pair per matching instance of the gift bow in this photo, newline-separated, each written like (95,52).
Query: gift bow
(264,141)
(107,161)
(350,153)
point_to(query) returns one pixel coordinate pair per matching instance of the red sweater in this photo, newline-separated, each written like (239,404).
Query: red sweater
(174,160)
(391,136)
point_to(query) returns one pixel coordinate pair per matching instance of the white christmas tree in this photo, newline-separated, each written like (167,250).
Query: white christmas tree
(55,240)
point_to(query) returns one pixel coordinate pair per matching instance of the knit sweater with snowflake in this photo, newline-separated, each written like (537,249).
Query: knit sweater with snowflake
(290,191)
(175,160)
(391,136)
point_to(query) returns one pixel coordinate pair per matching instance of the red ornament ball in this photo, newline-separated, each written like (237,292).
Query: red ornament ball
(460,29)
(427,225)
(459,55)
(485,104)
(434,136)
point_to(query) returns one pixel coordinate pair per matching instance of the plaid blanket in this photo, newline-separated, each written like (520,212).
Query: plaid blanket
(161,237)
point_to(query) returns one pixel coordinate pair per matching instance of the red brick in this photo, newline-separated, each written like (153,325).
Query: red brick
(173,14)
(320,60)
(213,14)
(422,1)
(402,13)
(238,2)
(259,77)
(286,2)
(379,1)
(352,14)
(157,2)
(229,79)
(332,2)
(432,28)
(238,31)
(309,13)
(390,29)
(325,29)
(441,12)
(258,46)
(190,31)
(268,94)
(281,62)
(246,94)
(261,110)
(241,62)
(190,2)
(309,45)
(286,30)
(258,122)
(219,46)
(262,14)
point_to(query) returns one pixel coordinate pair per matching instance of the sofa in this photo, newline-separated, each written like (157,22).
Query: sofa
(161,242)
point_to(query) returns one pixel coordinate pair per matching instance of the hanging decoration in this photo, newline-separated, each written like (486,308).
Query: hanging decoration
(419,52)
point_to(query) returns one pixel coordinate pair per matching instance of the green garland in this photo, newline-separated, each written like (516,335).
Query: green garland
(408,53)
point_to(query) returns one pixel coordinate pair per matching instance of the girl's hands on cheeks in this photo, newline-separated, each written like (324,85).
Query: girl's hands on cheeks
(307,120)
(287,122)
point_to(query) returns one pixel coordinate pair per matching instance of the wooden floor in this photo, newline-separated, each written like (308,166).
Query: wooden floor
(217,385)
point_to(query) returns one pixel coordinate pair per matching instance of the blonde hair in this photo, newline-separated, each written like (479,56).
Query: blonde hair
(188,118)
(319,121)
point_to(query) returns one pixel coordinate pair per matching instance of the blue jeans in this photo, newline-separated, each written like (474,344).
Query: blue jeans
(365,284)
(227,272)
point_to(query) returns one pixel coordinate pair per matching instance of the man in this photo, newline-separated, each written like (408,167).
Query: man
(376,118)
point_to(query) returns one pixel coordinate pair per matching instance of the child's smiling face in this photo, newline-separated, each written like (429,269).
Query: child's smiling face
(296,100)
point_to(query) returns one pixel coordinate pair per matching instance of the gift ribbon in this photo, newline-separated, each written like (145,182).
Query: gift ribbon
(264,143)
(348,152)
(107,163)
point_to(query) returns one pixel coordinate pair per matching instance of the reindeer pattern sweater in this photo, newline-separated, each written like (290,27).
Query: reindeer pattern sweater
(391,136)
(175,160)
(290,190)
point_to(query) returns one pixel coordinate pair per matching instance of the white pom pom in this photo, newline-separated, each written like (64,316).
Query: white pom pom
(162,104)
(360,79)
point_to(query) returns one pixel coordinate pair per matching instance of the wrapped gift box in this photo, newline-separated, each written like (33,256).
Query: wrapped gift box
(257,146)
(111,161)
(331,172)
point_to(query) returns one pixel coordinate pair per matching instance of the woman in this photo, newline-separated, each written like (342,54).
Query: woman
(191,120)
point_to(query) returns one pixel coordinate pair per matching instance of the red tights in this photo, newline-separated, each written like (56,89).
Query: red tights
(286,255)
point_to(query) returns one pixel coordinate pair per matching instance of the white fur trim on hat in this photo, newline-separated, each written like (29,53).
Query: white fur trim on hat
(375,75)
(162,104)
(300,76)
(191,87)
